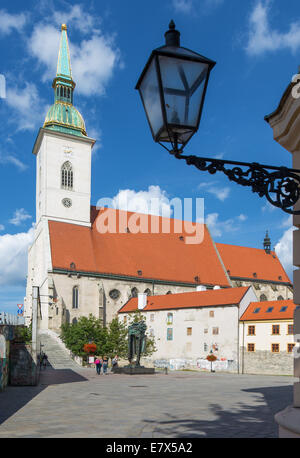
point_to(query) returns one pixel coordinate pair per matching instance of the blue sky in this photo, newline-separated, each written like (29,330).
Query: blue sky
(256,46)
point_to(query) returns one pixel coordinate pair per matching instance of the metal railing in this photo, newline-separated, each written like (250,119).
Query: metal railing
(9,318)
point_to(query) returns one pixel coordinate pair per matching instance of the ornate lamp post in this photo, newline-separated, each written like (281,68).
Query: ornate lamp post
(172,87)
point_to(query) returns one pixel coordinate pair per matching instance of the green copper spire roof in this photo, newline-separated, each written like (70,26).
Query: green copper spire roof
(63,116)
(63,63)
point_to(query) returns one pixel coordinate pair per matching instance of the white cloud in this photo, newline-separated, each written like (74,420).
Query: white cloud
(2,227)
(93,61)
(13,257)
(262,38)
(27,106)
(10,159)
(213,188)
(287,222)
(10,22)
(194,6)
(20,215)
(183,6)
(268,207)
(154,201)
(217,227)
(242,217)
(284,251)
(74,18)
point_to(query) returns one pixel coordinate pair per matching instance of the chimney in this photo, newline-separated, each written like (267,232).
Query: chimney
(142,301)
(200,288)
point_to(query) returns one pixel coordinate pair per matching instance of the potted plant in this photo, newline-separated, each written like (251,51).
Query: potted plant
(211,357)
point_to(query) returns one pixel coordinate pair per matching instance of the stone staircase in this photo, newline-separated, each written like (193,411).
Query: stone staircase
(58,355)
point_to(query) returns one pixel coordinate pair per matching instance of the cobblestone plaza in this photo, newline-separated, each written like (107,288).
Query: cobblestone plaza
(182,404)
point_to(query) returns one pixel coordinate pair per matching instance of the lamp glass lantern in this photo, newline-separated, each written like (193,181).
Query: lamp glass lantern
(172,87)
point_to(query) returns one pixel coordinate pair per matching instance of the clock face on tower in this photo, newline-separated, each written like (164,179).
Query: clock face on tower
(67,202)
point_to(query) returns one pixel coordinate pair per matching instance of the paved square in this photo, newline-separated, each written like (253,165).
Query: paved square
(181,404)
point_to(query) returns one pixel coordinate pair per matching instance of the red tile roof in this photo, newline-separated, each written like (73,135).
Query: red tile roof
(252,263)
(158,256)
(273,314)
(210,298)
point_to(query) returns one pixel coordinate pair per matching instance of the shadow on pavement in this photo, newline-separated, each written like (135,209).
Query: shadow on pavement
(13,398)
(243,421)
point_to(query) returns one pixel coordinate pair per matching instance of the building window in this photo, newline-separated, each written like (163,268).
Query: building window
(169,292)
(134,292)
(205,331)
(151,332)
(251,330)
(275,348)
(251,347)
(169,334)
(290,347)
(170,318)
(152,317)
(276,329)
(125,319)
(211,313)
(290,329)
(263,298)
(75,297)
(67,176)
(205,347)
(215,331)
(188,331)
(280,298)
(114,294)
(147,291)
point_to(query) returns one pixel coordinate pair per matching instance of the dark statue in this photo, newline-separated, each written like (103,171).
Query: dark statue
(136,341)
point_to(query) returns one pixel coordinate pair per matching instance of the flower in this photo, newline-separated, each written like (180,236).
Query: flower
(90,348)
(211,358)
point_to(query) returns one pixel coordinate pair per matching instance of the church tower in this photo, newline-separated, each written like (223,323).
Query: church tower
(63,178)
(63,152)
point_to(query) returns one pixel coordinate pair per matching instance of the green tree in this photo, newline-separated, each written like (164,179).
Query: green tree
(86,330)
(117,339)
(24,334)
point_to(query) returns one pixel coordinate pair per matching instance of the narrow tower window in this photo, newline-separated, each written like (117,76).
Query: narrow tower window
(75,298)
(67,176)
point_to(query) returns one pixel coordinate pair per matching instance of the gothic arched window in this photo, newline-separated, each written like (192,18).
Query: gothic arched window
(75,297)
(263,298)
(134,292)
(280,298)
(147,291)
(67,176)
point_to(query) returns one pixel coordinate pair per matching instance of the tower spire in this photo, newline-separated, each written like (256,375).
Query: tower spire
(63,61)
(267,243)
(63,116)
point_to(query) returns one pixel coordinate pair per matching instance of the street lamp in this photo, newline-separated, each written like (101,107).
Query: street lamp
(172,87)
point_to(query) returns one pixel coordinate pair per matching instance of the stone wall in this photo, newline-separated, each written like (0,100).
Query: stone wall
(6,335)
(265,362)
(24,370)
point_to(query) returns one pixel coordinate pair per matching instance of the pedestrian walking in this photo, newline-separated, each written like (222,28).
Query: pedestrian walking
(105,364)
(98,363)
(44,360)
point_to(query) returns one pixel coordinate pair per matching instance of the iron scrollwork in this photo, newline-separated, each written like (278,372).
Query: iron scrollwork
(280,185)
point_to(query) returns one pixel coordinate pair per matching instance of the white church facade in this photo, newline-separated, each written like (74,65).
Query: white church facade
(81,270)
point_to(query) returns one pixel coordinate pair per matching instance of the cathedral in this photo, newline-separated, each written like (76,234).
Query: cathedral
(80,270)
